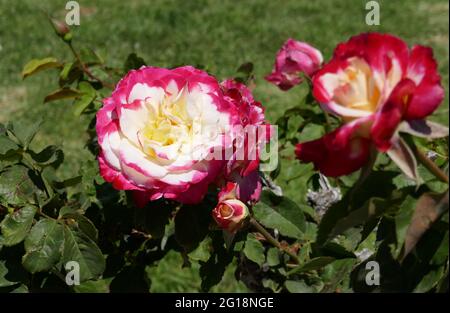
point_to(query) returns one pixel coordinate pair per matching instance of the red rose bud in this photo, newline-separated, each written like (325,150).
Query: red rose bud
(230,214)
(61,29)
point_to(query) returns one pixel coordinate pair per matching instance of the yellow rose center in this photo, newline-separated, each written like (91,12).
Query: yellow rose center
(357,88)
(167,124)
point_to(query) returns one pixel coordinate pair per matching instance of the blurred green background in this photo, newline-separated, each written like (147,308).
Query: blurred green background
(218,34)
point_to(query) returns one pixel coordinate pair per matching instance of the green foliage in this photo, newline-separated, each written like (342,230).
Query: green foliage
(43,245)
(35,66)
(280,213)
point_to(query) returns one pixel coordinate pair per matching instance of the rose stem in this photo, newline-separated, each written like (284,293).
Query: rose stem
(430,165)
(271,239)
(86,69)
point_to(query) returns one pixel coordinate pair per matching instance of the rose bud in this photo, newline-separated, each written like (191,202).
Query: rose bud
(292,59)
(230,214)
(61,29)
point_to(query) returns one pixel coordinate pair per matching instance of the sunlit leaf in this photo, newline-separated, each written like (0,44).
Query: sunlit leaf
(37,65)
(80,248)
(88,94)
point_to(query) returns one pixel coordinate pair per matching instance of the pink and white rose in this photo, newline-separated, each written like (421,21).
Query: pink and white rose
(163,133)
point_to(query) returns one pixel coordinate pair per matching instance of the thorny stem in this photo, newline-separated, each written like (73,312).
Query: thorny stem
(271,239)
(86,69)
(430,165)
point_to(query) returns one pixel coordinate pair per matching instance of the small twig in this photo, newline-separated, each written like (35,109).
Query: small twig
(430,165)
(271,239)
(366,170)
(327,121)
(86,68)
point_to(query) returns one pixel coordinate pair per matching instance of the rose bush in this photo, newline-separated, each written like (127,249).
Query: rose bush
(176,177)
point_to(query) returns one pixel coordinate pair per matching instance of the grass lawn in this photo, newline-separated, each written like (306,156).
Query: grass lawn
(218,34)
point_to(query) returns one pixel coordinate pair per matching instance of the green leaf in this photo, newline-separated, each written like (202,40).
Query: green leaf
(17,186)
(213,270)
(299,287)
(5,280)
(70,182)
(246,68)
(336,274)
(373,207)
(312,265)
(70,73)
(25,133)
(94,286)
(37,65)
(6,145)
(273,256)
(49,156)
(80,248)
(133,62)
(202,252)
(441,255)
(43,245)
(254,250)
(336,250)
(402,221)
(90,57)
(430,280)
(63,93)
(377,185)
(88,94)
(64,74)
(280,213)
(21,289)
(82,223)
(16,225)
